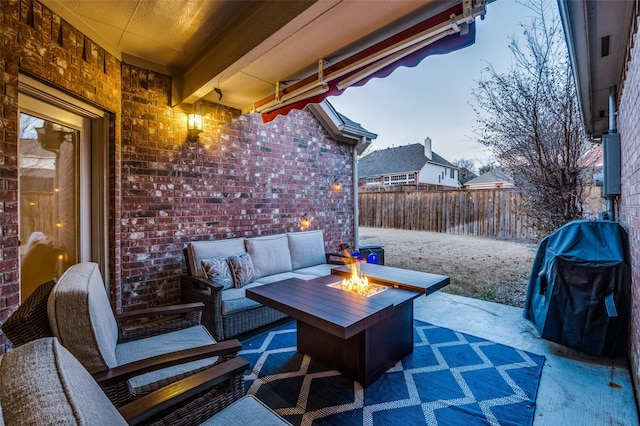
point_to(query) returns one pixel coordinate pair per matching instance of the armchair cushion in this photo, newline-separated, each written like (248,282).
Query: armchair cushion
(157,345)
(242,270)
(307,249)
(217,269)
(42,383)
(270,255)
(80,317)
(247,411)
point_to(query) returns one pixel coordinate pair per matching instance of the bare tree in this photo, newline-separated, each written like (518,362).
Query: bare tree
(486,168)
(529,117)
(465,170)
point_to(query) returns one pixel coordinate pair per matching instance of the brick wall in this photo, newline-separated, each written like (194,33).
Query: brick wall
(37,42)
(240,178)
(629,128)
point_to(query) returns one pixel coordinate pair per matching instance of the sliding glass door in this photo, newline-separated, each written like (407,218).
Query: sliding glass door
(48,154)
(62,178)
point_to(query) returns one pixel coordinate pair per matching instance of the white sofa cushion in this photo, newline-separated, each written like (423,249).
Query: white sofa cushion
(316,270)
(235,299)
(198,250)
(307,249)
(270,255)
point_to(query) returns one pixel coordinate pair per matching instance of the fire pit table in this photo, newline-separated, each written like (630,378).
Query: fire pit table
(360,336)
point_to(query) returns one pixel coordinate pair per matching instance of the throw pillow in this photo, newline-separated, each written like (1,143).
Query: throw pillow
(242,269)
(217,269)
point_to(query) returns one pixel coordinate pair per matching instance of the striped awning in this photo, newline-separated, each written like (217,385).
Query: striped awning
(445,32)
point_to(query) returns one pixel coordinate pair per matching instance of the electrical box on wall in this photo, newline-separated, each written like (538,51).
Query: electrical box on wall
(598,179)
(611,150)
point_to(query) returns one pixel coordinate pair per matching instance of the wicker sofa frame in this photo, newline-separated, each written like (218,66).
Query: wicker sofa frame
(196,287)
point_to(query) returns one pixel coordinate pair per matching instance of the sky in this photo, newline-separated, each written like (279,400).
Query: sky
(434,99)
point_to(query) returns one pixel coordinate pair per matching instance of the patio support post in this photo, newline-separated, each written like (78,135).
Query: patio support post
(356,238)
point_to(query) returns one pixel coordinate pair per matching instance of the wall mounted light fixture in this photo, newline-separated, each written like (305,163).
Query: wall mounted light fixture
(194,125)
(336,183)
(305,221)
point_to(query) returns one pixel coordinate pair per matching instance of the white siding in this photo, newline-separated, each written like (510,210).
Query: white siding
(434,174)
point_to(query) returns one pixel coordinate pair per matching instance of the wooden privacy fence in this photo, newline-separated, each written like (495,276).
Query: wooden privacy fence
(493,213)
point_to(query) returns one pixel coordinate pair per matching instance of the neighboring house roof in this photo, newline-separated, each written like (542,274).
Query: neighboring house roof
(341,127)
(466,174)
(496,177)
(402,159)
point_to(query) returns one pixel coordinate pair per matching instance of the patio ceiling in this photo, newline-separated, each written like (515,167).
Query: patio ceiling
(597,34)
(236,52)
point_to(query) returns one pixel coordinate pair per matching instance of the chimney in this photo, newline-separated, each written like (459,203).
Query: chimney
(427,148)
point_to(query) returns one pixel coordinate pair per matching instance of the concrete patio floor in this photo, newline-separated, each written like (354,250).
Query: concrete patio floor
(575,388)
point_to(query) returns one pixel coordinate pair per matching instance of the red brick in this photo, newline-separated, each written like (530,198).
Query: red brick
(629,128)
(241,178)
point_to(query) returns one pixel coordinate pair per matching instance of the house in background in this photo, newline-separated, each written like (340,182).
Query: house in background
(494,178)
(414,164)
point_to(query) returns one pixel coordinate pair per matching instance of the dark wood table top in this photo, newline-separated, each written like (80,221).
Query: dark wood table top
(422,282)
(336,311)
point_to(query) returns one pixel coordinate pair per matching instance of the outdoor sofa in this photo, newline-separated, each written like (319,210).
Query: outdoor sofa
(220,271)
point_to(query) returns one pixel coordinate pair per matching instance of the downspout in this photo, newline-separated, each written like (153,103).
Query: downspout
(613,128)
(356,222)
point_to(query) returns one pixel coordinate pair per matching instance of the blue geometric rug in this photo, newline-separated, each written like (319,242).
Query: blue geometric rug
(451,378)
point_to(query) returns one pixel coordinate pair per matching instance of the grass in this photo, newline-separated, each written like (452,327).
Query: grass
(482,268)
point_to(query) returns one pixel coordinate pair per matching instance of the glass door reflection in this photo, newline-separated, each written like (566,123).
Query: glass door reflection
(47,163)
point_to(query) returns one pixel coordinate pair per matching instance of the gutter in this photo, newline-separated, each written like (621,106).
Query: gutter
(573,16)
(356,207)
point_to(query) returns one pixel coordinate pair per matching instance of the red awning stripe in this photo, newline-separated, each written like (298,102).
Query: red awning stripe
(446,45)
(406,48)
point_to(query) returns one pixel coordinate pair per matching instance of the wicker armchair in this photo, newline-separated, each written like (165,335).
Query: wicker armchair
(42,383)
(30,321)
(129,361)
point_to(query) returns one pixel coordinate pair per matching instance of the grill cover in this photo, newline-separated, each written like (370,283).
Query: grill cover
(579,290)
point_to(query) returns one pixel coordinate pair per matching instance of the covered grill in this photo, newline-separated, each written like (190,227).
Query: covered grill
(579,290)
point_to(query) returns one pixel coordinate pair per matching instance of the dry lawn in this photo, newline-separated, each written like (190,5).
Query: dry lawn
(479,267)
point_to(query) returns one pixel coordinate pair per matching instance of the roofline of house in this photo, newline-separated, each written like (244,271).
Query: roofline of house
(339,129)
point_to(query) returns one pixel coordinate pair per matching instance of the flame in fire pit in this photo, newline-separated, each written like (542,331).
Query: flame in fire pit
(358,283)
